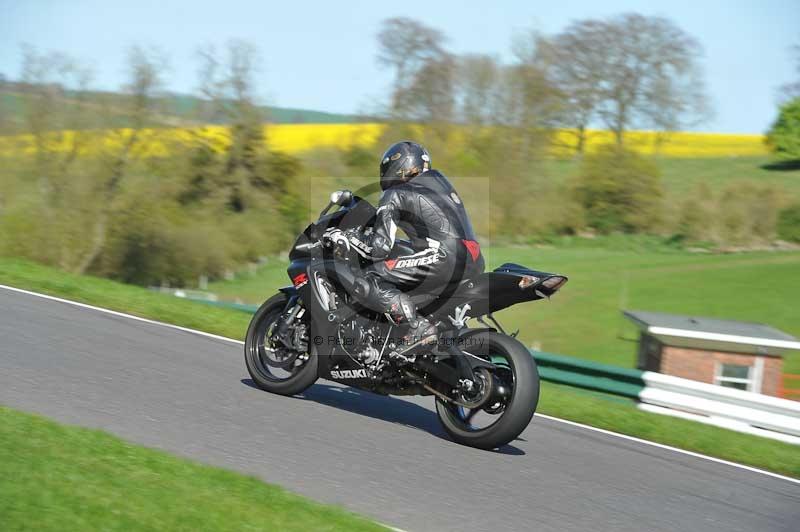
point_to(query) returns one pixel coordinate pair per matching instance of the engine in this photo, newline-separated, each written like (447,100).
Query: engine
(360,338)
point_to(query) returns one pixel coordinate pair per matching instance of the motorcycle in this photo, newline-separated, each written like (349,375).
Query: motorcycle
(484,381)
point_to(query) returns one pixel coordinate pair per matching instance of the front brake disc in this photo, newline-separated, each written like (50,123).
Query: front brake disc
(279,359)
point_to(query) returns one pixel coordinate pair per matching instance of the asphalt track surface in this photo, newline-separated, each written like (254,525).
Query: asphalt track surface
(383,457)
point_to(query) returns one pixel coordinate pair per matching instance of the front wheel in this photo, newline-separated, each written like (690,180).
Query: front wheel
(273,367)
(499,420)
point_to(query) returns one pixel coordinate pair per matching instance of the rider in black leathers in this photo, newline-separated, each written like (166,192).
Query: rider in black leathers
(424,204)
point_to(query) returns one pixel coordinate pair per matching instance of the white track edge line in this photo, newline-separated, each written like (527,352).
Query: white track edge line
(545,416)
(122,314)
(670,448)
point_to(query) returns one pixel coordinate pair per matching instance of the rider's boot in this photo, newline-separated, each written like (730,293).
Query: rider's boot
(422,332)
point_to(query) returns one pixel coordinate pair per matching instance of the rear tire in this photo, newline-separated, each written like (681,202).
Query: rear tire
(304,376)
(520,407)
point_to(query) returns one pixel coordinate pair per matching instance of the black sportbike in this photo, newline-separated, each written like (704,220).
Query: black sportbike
(485,382)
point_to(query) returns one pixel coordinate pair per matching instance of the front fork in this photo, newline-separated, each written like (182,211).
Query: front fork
(285,326)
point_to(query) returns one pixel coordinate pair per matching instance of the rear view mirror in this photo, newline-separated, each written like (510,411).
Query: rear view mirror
(341,197)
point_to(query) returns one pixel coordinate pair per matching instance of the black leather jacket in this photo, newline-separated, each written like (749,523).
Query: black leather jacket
(430,212)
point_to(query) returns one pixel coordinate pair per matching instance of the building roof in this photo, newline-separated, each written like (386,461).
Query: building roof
(712,333)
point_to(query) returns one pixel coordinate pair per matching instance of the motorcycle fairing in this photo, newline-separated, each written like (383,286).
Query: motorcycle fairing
(499,289)
(324,333)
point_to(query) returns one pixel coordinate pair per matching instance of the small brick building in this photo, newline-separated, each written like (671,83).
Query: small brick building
(742,355)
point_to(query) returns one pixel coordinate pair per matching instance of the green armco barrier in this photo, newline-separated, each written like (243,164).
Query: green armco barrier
(589,375)
(250,309)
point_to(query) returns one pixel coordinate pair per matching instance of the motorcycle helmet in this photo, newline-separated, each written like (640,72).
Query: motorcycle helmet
(403,161)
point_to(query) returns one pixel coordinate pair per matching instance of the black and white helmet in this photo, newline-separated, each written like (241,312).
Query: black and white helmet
(402,161)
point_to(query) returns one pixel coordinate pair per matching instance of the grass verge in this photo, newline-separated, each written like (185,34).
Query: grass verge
(557,400)
(57,477)
(123,298)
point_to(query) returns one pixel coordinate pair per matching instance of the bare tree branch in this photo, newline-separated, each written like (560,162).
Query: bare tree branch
(411,49)
(627,71)
(145,70)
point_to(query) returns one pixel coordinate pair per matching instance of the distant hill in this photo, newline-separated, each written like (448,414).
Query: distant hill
(172,110)
(184,105)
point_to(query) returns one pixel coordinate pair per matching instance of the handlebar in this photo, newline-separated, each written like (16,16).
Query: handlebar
(309,246)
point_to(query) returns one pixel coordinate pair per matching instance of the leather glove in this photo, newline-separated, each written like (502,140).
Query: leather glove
(336,238)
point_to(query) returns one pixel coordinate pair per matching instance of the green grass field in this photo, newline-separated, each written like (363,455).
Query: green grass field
(615,273)
(681,175)
(56,477)
(561,401)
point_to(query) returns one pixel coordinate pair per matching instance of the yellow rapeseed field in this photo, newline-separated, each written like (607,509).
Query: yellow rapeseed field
(675,144)
(297,138)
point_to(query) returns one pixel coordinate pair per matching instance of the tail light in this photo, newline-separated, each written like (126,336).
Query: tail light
(554,283)
(527,280)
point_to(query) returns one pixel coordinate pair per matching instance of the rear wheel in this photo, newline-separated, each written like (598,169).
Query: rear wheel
(503,401)
(274,367)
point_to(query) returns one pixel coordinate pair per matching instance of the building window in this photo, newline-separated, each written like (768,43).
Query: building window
(736,376)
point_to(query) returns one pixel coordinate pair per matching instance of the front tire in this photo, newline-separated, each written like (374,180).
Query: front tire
(518,410)
(254,346)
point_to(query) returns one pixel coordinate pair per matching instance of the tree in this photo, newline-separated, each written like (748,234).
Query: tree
(250,173)
(55,92)
(537,100)
(510,150)
(784,135)
(413,50)
(228,84)
(790,91)
(56,114)
(620,191)
(575,70)
(145,69)
(654,76)
(430,97)
(628,71)
(477,88)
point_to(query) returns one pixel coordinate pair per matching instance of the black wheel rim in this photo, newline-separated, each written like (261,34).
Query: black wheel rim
(274,364)
(488,415)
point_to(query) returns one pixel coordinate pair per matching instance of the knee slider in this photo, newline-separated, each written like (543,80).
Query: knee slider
(361,287)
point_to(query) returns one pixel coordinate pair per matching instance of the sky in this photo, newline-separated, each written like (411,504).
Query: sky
(320,54)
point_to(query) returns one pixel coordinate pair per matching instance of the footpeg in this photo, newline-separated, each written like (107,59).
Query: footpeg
(410,350)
